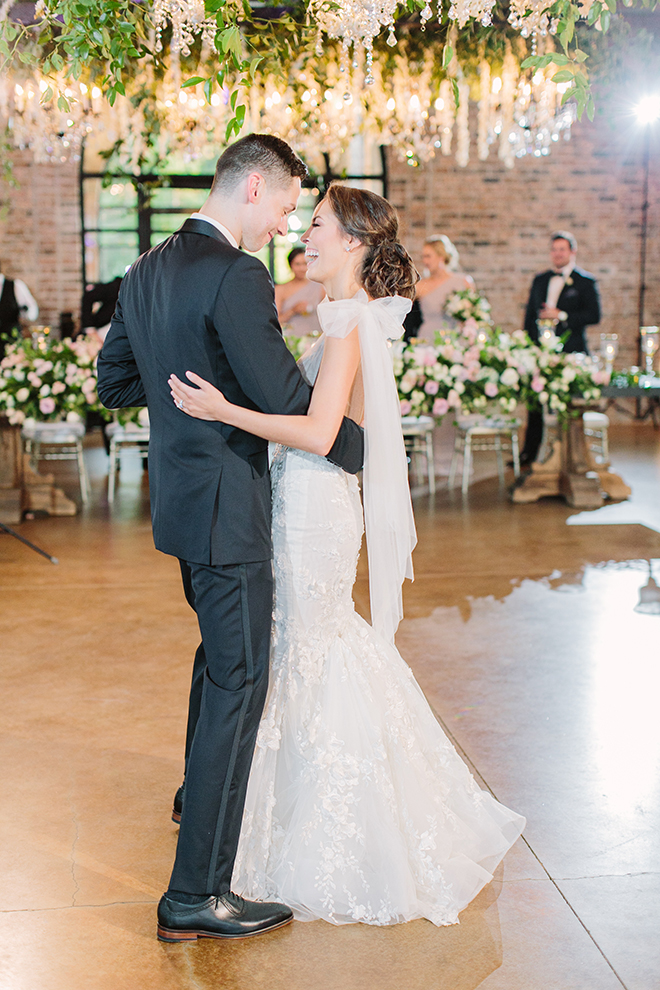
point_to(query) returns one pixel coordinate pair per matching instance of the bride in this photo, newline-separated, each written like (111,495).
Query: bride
(358,806)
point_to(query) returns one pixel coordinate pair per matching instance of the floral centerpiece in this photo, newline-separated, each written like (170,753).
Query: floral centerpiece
(560,379)
(490,373)
(49,380)
(468,304)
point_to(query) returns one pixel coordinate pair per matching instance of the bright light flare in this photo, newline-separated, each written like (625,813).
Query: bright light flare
(648,109)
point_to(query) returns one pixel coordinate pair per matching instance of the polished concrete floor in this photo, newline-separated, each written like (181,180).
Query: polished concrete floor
(521,630)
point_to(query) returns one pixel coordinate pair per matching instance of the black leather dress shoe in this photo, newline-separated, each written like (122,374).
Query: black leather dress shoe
(227,916)
(178,804)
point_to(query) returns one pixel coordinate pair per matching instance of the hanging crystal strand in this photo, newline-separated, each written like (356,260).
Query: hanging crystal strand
(483,119)
(425,15)
(447,115)
(369,60)
(463,122)
(509,80)
(319,42)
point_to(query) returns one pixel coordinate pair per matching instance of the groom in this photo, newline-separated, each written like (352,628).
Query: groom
(197,302)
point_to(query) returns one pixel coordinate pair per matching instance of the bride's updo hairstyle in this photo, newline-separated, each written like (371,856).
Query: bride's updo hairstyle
(388,269)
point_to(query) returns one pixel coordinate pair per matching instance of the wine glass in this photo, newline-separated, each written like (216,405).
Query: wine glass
(649,336)
(609,348)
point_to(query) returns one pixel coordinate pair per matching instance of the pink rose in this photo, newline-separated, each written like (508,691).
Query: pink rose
(538,384)
(405,407)
(440,407)
(473,372)
(47,406)
(490,390)
(428,359)
(431,387)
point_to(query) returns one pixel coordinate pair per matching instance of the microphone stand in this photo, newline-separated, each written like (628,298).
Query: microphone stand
(32,546)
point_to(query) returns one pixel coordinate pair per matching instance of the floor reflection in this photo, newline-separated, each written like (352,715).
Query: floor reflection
(324,957)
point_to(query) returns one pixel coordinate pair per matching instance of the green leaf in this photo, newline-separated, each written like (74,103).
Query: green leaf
(605,18)
(112,96)
(240,116)
(457,99)
(558,58)
(119,87)
(254,65)
(595,12)
(208,89)
(63,104)
(590,107)
(580,56)
(47,95)
(232,101)
(564,75)
(611,4)
(447,55)
(194,81)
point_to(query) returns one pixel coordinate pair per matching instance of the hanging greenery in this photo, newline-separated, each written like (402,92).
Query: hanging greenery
(224,49)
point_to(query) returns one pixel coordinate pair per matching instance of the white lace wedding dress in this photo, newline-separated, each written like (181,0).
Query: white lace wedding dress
(358,806)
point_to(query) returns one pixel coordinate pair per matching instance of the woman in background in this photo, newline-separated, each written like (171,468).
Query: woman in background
(297,299)
(440,258)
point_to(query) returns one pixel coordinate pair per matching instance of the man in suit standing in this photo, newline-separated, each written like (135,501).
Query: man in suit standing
(197,302)
(570,296)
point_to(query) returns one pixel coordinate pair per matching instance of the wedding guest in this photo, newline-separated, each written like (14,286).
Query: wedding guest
(440,258)
(297,299)
(569,296)
(16,303)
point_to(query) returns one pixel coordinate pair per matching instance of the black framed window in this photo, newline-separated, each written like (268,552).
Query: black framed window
(122,216)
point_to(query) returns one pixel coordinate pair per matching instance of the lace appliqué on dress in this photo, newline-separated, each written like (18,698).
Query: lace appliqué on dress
(358,807)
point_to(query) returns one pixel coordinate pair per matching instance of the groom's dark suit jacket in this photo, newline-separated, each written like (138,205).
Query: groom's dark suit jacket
(195,303)
(579,300)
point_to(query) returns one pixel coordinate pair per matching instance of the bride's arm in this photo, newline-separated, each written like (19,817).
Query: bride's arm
(315,432)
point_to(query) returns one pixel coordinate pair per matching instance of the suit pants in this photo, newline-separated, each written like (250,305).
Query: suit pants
(229,684)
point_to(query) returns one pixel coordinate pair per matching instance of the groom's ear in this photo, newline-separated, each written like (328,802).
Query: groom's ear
(256,185)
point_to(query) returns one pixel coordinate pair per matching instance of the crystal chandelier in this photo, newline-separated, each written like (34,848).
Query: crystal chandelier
(357,22)
(188,19)
(319,109)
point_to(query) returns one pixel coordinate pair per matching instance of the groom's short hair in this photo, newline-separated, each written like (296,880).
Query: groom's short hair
(264,153)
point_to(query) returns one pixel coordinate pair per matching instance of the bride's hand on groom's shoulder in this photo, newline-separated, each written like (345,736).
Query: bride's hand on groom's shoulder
(204,401)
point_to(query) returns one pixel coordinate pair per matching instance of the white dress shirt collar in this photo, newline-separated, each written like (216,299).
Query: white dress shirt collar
(223,230)
(556,285)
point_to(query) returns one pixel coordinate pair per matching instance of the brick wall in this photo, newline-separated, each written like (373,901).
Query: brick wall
(40,234)
(500,221)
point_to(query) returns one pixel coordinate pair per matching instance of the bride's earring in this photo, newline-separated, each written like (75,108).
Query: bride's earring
(347,249)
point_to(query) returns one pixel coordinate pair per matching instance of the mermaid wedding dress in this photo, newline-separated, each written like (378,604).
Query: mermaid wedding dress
(358,807)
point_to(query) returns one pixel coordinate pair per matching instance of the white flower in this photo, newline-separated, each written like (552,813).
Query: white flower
(143,416)
(509,377)
(408,382)
(23,395)
(16,417)
(44,391)
(73,417)
(543,398)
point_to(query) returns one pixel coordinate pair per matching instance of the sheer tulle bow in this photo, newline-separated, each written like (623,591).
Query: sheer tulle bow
(388,514)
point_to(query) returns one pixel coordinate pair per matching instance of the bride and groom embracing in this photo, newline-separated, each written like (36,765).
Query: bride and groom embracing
(318,782)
